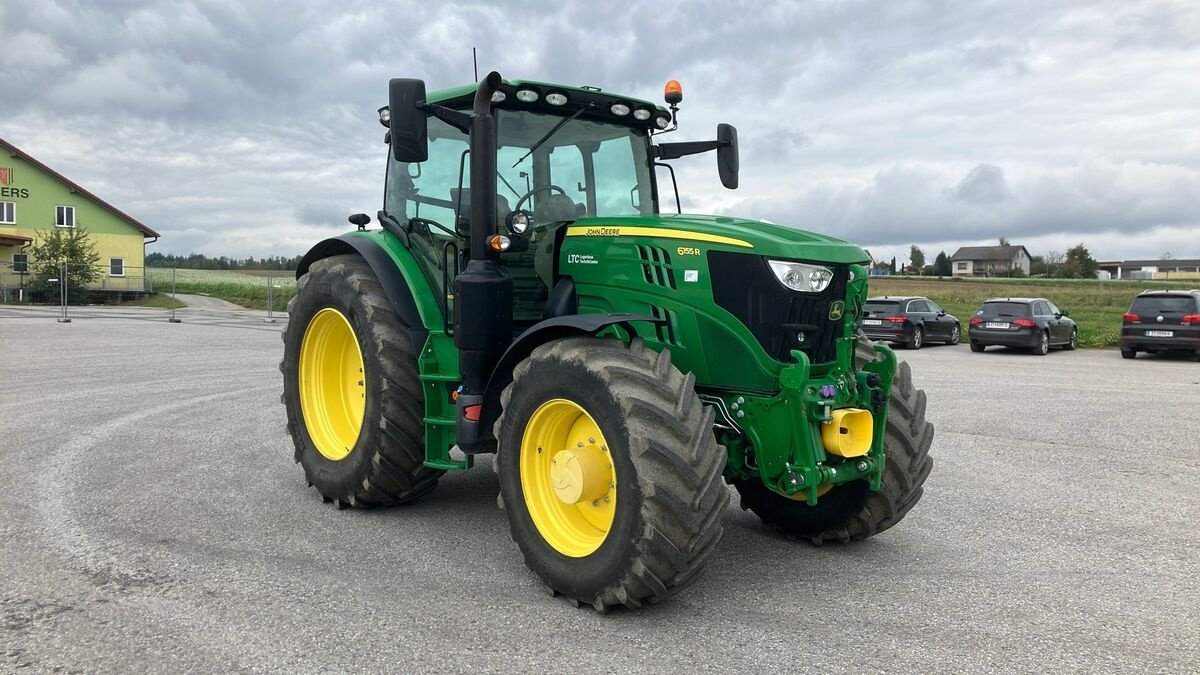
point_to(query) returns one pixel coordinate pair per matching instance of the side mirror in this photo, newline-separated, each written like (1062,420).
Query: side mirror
(727,155)
(1065,312)
(407,120)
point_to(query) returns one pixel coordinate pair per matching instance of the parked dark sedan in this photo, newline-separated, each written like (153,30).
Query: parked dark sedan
(909,320)
(1162,321)
(1033,323)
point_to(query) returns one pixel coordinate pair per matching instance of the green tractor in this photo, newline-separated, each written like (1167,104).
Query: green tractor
(526,296)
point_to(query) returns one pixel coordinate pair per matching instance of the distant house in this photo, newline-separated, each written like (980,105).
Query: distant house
(990,261)
(1183,269)
(35,199)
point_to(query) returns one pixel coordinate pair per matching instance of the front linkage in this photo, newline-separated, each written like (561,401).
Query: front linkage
(813,434)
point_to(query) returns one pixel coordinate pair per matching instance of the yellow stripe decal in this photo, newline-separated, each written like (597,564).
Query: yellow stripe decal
(601,231)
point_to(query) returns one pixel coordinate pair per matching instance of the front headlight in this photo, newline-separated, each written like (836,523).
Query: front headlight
(801,277)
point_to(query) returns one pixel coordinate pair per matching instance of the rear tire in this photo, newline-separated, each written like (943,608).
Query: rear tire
(385,465)
(1043,346)
(918,338)
(666,466)
(850,512)
(1129,353)
(976,347)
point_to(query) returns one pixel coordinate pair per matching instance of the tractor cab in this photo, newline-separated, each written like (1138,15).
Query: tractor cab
(561,154)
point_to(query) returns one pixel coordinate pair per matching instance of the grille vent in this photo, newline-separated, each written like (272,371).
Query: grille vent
(656,266)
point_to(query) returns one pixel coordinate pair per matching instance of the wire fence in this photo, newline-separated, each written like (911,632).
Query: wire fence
(157,293)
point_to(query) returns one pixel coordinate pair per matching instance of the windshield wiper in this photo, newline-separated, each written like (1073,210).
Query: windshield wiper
(550,133)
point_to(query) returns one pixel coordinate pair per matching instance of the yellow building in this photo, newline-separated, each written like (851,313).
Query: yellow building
(35,198)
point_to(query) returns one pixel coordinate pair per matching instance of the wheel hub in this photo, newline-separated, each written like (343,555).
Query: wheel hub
(580,474)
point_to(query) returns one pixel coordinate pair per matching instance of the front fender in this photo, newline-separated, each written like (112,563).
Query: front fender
(540,333)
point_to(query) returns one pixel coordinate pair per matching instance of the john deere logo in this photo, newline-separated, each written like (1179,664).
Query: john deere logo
(836,310)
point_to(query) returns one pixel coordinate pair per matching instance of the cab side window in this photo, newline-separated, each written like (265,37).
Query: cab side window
(425,191)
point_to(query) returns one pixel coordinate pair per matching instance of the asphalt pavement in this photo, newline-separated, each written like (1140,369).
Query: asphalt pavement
(152,520)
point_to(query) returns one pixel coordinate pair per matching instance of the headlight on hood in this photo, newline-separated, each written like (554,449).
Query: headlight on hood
(801,277)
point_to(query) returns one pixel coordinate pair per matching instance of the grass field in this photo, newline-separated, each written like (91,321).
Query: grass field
(1096,306)
(248,289)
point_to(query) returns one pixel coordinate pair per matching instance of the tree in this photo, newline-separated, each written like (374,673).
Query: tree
(942,266)
(892,266)
(1079,263)
(1004,241)
(1053,263)
(55,247)
(917,257)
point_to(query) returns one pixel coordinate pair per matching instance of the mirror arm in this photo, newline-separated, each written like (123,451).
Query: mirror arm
(677,150)
(457,119)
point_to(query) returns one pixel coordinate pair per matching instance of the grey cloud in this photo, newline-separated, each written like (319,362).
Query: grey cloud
(984,184)
(249,128)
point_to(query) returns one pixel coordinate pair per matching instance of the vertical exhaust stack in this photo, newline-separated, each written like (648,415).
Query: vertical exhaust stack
(482,291)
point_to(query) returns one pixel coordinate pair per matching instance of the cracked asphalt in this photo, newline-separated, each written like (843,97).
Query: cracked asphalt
(152,520)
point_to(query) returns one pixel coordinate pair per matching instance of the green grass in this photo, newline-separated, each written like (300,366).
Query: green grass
(161,300)
(1096,306)
(247,289)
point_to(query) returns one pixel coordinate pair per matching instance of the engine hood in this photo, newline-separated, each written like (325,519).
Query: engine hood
(737,234)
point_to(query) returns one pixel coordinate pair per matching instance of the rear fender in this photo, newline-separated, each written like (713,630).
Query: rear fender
(386,268)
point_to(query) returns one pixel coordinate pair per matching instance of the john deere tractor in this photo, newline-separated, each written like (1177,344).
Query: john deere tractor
(526,295)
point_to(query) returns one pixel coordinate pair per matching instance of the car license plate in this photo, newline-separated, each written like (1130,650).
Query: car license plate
(872,322)
(1160,333)
(996,324)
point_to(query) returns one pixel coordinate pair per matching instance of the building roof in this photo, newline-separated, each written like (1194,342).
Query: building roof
(1173,262)
(988,253)
(17,152)
(14,239)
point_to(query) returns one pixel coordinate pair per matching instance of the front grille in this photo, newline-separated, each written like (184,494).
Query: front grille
(744,285)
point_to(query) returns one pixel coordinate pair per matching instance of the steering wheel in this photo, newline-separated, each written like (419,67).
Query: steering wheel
(536,190)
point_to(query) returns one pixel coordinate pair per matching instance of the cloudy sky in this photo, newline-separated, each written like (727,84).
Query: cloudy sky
(249,128)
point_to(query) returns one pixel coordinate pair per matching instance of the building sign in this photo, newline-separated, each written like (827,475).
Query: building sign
(6,179)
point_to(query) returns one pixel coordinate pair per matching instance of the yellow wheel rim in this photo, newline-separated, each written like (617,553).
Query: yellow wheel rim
(333,394)
(568,478)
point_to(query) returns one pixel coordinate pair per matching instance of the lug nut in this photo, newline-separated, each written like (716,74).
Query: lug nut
(862,466)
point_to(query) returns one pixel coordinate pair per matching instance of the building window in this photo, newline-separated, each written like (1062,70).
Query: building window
(116,267)
(20,263)
(8,213)
(64,216)
(962,266)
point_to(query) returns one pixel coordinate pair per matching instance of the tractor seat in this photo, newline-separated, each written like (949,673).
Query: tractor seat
(556,208)
(463,200)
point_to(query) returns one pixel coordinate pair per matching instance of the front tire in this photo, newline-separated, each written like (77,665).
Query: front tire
(955,334)
(352,389)
(850,512)
(610,474)
(1074,341)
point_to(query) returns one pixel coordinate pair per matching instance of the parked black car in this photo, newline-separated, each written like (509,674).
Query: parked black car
(1033,323)
(909,320)
(1162,321)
